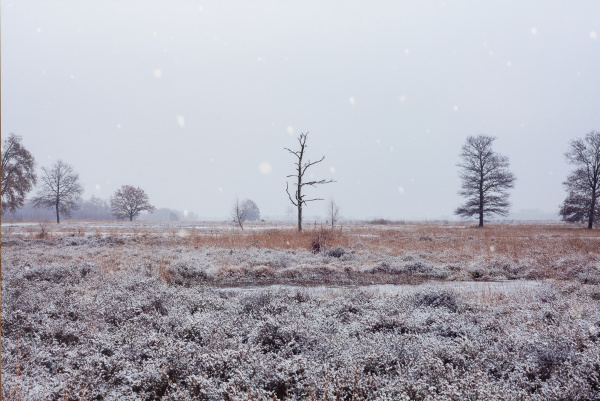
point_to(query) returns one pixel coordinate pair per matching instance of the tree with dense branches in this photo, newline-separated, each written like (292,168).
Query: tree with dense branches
(583,184)
(17,172)
(485,179)
(299,199)
(251,209)
(60,189)
(128,202)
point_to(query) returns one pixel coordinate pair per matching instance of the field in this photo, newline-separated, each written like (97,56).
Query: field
(204,311)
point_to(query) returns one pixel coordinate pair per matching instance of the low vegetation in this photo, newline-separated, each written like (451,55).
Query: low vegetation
(127,312)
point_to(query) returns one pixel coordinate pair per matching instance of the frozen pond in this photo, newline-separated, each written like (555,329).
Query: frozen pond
(469,288)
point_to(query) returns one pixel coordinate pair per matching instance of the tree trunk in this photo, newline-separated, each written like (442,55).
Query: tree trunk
(57,214)
(130,218)
(592,209)
(480,208)
(299,190)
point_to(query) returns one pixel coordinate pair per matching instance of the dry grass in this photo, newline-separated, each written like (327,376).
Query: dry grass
(545,250)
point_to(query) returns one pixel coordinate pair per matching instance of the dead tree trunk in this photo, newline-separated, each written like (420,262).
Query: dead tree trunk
(299,199)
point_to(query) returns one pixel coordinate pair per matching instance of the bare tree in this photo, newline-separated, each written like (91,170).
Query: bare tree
(17,175)
(129,201)
(485,179)
(333,212)
(299,199)
(60,189)
(289,212)
(238,213)
(251,209)
(583,184)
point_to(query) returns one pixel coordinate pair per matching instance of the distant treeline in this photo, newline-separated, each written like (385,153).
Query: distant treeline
(92,209)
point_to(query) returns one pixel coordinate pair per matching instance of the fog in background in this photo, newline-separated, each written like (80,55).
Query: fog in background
(194,101)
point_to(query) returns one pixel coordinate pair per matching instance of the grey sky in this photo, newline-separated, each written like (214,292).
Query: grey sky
(389,91)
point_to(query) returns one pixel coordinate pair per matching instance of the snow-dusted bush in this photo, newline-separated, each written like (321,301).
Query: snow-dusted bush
(99,320)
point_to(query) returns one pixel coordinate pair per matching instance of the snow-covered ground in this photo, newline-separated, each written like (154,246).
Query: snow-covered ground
(129,316)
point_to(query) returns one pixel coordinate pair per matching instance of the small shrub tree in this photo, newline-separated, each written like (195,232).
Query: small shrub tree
(238,213)
(333,212)
(129,201)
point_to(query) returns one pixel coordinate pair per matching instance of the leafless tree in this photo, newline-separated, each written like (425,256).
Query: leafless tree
(17,175)
(583,184)
(251,209)
(333,212)
(485,179)
(299,199)
(238,213)
(60,189)
(129,201)
(289,212)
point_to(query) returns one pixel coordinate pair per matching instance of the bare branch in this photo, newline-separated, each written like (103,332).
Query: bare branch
(290,196)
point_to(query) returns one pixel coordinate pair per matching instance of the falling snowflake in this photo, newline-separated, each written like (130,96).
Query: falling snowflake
(593,35)
(455,108)
(352,101)
(39,30)
(534,31)
(118,126)
(158,73)
(290,130)
(200,8)
(508,63)
(402,99)
(265,168)
(332,169)
(181,121)
(401,190)
(185,213)
(97,187)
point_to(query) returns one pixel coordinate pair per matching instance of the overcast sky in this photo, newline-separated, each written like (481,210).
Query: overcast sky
(194,101)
